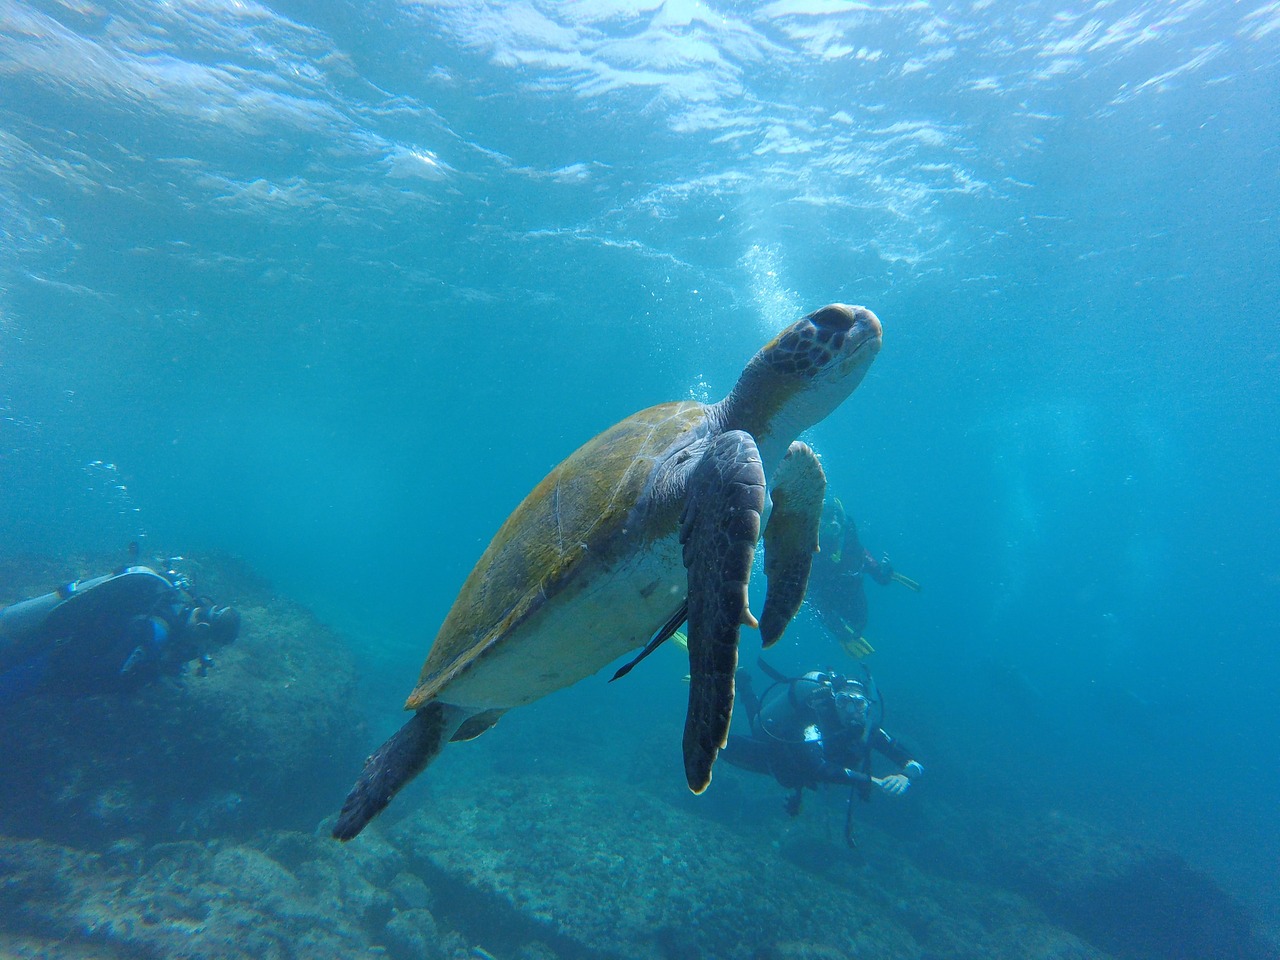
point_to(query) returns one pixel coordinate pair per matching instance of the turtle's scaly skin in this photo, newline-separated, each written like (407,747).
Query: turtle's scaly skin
(576,531)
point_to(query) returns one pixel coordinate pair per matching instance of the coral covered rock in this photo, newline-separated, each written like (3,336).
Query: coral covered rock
(178,822)
(1132,899)
(591,869)
(206,901)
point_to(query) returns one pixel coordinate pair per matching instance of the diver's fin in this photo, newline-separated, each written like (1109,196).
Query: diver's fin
(791,538)
(855,646)
(472,727)
(719,531)
(395,763)
(907,582)
(666,632)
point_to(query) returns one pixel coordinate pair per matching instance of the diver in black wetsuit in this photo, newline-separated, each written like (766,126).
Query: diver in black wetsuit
(819,728)
(114,632)
(837,581)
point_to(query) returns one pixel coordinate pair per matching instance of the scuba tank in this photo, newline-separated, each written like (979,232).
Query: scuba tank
(28,627)
(787,706)
(20,629)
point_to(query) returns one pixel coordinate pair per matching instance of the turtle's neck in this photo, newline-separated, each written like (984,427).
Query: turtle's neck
(775,407)
(771,412)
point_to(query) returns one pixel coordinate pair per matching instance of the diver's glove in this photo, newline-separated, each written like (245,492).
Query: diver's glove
(912,769)
(895,784)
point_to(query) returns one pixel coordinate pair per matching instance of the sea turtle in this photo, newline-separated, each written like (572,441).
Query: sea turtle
(652,522)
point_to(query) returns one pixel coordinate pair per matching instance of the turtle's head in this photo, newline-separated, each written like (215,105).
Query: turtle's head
(803,374)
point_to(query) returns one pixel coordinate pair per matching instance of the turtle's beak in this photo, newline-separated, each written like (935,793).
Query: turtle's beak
(866,325)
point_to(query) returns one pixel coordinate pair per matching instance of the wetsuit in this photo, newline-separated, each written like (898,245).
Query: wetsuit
(836,584)
(801,744)
(831,753)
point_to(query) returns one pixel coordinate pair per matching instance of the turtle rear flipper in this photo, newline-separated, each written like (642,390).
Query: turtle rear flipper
(719,530)
(472,727)
(791,538)
(405,755)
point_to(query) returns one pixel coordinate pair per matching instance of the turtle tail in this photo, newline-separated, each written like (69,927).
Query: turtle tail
(394,764)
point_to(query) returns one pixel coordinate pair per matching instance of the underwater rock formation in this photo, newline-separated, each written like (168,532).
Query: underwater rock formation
(296,895)
(185,823)
(592,869)
(526,868)
(1135,900)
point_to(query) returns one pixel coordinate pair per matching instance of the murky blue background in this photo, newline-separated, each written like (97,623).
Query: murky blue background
(332,285)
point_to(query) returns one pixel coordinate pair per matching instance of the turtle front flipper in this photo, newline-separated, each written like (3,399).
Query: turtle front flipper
(719,529)
(404,756)
(791,538)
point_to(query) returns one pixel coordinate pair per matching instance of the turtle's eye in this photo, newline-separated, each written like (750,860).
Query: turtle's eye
(835,317)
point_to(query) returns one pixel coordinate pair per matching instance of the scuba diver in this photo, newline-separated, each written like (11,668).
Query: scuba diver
(819,728)
(111,633)
(837,591)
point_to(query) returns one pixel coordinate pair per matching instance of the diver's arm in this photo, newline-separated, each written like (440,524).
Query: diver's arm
(895,784)
(825,770)
(881,571)
(891,748)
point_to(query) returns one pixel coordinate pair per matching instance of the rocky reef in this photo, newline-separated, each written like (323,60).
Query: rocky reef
(528,869)
(639,878)
(189,824)
(1133,898)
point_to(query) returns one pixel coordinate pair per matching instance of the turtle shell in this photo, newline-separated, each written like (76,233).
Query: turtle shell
(586,526)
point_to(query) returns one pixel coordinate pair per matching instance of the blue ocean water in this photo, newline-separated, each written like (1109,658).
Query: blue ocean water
(329,286)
